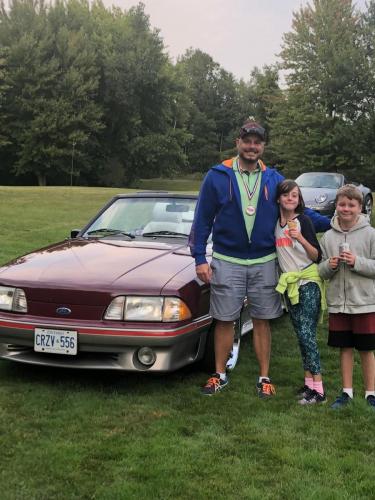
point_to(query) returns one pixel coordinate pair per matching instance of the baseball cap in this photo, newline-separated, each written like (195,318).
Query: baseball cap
(251,127)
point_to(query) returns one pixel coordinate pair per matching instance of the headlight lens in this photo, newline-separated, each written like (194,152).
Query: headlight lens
(143,309)
(321,198)
(138,308)
(12,299)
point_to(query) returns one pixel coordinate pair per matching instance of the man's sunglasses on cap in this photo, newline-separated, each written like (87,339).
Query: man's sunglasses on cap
(252,128)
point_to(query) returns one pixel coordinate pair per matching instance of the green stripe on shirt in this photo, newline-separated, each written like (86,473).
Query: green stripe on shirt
(245,262)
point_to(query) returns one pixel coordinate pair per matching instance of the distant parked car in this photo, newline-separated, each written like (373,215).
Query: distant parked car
(319,191)
(120,294)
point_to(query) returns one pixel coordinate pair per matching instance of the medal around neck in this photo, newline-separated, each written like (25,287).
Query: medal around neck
(250,210)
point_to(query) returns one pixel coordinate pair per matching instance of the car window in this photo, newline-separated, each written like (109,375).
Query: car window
(328,181)
(141,215)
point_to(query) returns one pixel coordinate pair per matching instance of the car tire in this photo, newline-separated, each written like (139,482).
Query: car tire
(367,205)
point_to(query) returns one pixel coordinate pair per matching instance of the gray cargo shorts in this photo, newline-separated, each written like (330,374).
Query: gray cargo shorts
(231,283)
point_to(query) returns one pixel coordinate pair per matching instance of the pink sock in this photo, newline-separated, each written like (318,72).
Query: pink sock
(318,387)
(309,382)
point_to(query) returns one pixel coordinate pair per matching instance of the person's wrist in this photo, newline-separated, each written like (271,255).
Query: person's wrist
(199,262)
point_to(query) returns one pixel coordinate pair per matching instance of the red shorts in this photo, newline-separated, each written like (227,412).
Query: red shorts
(352,330)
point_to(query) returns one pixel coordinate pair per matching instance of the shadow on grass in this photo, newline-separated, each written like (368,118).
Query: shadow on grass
(96,380)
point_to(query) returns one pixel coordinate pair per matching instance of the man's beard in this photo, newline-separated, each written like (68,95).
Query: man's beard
(247,160)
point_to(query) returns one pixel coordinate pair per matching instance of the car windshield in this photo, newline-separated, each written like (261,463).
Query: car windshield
(144,217)
(327,181)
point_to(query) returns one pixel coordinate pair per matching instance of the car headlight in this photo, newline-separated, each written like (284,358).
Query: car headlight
(138,308)
(321,198)
(12,299)
(143,309)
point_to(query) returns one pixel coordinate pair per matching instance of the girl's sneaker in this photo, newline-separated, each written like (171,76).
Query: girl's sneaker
(371,401)
(313,398)
(303,392)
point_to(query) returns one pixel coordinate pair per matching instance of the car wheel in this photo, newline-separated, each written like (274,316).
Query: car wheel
(233,357)
(241,326)
(208,361)
(367,205)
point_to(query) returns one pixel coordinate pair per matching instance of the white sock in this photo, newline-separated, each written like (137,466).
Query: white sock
(369,393)
(349,391)
(223,376)
(262,379)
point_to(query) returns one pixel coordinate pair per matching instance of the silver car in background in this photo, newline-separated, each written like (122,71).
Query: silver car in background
(319,191)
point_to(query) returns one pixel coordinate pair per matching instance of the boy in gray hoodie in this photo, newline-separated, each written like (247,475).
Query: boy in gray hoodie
(348,262)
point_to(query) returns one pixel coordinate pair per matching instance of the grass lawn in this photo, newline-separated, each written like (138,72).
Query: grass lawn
(93,435)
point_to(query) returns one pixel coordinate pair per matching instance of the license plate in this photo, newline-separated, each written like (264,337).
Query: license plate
(55,341)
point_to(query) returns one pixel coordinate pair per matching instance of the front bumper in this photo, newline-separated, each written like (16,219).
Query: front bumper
(108,347)
(322,209)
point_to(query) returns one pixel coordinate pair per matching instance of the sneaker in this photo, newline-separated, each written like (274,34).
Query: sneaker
(303,392)
(214,385)
(371,401)
(265,389)
(341,401)
(313,398)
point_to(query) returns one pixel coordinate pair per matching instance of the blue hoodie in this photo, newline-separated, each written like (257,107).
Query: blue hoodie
(219,210)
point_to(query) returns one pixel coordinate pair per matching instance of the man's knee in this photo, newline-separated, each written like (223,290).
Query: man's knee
(260,325)
(224,326)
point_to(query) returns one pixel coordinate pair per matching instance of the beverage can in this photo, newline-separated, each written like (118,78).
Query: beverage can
(344,247)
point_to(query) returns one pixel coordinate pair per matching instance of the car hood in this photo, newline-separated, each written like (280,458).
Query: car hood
(105,265)
(310,194)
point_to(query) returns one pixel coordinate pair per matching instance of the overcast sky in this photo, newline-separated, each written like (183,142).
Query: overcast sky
(238,34)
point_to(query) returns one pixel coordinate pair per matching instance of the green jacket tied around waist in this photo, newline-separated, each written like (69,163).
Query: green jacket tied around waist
(290,282)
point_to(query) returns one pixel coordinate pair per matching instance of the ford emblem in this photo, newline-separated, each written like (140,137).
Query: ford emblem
(63,311)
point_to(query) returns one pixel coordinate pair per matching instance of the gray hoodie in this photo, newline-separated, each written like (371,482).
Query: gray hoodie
(350,290)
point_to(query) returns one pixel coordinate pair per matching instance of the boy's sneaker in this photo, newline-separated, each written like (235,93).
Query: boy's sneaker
(371,401)
(265,389)
(214,385)
(313,398)
(341,401)
(303,392)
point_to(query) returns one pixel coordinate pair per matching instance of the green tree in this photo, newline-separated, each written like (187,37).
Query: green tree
(315,122)
(261,91)
(3,87)
(258,98)
(213,110)
(52,83)
(302,135)
(144,133)
(366,122)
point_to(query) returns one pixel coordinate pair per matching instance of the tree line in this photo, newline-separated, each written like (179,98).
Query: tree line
(90,96)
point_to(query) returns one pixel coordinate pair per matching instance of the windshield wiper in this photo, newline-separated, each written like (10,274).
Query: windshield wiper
(110,232)
(165,233)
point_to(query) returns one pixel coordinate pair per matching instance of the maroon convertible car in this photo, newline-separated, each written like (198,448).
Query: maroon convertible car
(120,294)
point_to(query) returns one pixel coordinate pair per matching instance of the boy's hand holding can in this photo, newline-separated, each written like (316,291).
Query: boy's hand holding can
(345,254)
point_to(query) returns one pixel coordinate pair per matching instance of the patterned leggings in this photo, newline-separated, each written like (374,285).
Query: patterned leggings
(304,316)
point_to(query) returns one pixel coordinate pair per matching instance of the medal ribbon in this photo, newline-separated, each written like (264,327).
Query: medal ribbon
(249,193)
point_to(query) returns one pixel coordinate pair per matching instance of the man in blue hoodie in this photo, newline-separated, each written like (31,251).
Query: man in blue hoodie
(237,203)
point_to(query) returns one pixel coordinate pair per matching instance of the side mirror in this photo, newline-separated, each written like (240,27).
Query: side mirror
(74,233)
